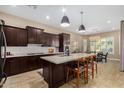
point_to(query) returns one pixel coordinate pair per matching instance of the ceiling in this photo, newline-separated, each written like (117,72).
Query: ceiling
(96,18)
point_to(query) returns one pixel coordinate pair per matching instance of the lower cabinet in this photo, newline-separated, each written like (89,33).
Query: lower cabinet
(18,65)
(14,66)
(32,63)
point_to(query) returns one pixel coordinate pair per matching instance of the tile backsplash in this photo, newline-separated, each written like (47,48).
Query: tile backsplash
(29,49)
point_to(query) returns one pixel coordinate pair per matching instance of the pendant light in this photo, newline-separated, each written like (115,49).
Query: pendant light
(65,20)
(81,27)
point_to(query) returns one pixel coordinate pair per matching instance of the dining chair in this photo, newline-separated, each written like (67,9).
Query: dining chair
(104,56)
(99,57)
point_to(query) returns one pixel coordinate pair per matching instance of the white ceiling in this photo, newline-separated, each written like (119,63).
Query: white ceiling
(96,18)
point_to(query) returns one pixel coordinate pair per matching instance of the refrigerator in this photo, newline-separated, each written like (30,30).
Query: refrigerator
(3,76)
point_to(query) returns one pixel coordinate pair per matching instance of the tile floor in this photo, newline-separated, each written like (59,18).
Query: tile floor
(30,79)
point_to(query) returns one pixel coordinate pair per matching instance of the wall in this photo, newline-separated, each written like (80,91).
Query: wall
(21,22)
(116,35)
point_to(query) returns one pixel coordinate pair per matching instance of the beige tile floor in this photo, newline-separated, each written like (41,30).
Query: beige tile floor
(108,76)
(30,79)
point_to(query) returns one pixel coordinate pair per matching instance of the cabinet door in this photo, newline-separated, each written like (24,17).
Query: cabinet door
(47,39)
(23,64)
(11,36)
(55,40)
(14,66)
(49,36)
(66,39)
(32,62)
(15,36)
(32,35)
(22,38)
(39,36)
(7,68)
(56,70)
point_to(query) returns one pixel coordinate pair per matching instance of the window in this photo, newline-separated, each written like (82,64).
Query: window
(93,46)
(102,44)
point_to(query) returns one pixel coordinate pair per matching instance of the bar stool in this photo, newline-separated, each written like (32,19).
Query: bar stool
(92,64)
(80,68)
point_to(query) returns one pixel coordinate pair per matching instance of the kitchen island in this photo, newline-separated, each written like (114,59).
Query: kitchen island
(55,68)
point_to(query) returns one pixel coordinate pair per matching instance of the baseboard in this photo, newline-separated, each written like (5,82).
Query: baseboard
(115,59)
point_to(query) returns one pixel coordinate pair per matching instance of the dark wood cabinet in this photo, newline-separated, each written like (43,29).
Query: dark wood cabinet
(21,37)
(47,39)
(23,64)
(15,66)
(7,68)
(55,40)
(15,36)
(50,39)
(31,35)
(19,65)
(54,74)
(64,39)
(33,62)
(56,70)
(34,35)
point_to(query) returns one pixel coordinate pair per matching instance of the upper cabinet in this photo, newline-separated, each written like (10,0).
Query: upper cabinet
(15,36)
(64,39)
(55,40)
(47,39)
(21,37)
(37,36)
(50,39)
(34,35)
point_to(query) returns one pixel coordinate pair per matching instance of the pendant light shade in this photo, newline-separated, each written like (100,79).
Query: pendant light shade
(65,21)
(81,27)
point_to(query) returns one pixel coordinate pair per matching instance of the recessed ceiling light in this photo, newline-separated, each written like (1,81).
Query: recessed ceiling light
(47,17)
(63,10)
(109,21)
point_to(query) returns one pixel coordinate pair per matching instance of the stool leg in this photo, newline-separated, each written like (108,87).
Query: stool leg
(92,70)
(86,73)
(96,68)
(78,77)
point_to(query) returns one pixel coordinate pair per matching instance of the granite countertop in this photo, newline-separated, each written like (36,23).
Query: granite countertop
(29,54)
(59,59)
